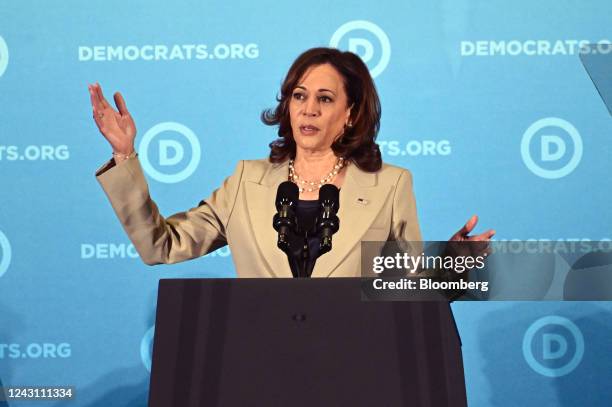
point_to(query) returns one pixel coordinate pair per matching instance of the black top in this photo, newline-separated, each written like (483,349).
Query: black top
(307,212)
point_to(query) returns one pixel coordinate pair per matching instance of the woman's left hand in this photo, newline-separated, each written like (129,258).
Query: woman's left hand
(477,245)
(462,234)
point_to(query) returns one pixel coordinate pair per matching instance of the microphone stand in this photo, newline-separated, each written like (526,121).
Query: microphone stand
(293,238)
(294,249)
(307,264)
(297,250)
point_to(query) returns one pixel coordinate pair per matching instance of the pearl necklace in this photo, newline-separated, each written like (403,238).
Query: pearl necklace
(314,185)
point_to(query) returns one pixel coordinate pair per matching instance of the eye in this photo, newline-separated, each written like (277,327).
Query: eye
(325,99)
(298,95)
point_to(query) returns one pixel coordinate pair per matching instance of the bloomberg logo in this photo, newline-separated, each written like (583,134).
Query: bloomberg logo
(363,46)
(553,346)
(4,56)
(5,253)
(167,158)
(558,152)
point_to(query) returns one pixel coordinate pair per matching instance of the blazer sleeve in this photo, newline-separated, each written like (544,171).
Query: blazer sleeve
(404,219)
(182,236)
(405,231)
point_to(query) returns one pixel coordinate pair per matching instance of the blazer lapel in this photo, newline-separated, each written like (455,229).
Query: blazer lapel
(261,195)
(361,199)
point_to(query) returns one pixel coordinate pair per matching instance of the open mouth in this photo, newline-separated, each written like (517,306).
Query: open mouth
(308,129)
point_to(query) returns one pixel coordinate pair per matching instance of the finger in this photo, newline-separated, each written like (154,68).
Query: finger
(469,225)
(96,91)
(101,98)
(93,97)
(120,103)
(477,238)
(484,236)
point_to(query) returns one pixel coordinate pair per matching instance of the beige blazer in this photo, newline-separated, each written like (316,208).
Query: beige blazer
(373,207)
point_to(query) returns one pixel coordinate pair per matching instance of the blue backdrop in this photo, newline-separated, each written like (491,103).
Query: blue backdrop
(486,102)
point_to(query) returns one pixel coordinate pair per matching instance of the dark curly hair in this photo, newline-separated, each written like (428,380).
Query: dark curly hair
(358,143)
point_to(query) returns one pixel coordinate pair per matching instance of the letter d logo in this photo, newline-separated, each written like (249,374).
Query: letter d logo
(171,152)
(555,153)
(176,152)
(553,346)
(553,148)
(364,47)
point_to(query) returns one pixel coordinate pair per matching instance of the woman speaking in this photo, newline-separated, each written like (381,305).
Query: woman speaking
(328,117)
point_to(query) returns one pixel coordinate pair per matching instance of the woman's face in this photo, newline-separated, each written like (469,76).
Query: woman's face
(318,108)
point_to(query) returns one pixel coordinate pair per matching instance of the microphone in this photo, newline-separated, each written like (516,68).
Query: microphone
(284,221)
(328,224)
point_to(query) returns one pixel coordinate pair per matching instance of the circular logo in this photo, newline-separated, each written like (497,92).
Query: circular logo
(553,148)
(171,152)
(556,358)
(4,56)
(146,348)
(356,43)
(5,253)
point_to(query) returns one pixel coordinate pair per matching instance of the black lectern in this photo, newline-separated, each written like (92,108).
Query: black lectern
(300,342)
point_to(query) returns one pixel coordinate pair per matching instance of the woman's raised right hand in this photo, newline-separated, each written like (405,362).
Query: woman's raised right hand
(116,126)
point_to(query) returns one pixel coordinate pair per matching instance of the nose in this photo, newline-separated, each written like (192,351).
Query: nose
(311,107)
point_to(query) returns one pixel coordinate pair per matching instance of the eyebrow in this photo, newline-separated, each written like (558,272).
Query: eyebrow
(320,90)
